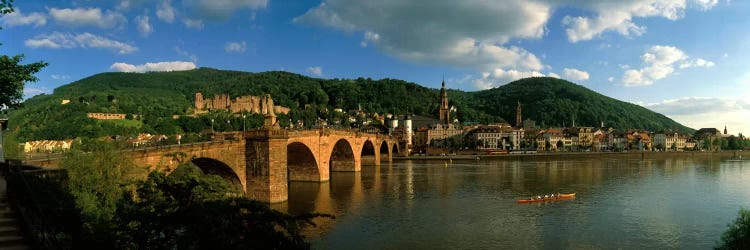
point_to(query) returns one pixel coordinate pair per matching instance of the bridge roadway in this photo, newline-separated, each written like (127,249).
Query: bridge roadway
(262,162)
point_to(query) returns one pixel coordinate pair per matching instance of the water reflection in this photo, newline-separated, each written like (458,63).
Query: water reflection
(673,202)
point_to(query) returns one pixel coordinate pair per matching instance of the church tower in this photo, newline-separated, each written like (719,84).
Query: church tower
(725,129)
(445,115)
(408,129)
(518,115)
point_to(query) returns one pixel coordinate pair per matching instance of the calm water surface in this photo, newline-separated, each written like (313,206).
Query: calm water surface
(674,203)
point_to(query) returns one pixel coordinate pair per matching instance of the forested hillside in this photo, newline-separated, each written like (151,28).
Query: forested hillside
(556,102)
(157,96)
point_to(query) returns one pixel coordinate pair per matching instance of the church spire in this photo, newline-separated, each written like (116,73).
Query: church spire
(725,129)
(519,119)
(444,109)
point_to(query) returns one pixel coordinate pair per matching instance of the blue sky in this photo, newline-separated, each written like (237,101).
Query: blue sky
(683,58)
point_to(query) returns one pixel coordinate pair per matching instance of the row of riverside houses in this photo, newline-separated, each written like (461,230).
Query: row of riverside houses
(47,146)
(58,146)
(444,136)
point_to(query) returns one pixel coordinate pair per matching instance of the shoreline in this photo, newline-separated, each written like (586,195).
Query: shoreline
(574,155)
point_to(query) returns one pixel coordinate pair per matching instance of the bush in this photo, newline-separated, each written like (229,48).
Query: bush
(738,234)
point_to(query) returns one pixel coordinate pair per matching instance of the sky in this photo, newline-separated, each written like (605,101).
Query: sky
(685,59)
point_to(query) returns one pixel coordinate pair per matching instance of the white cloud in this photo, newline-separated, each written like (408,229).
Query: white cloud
(317,70)
(17,18)
(692,112)
(499,77)
(237,47)
(31,91)
(575,74)
(462,80)
(87,17)
(222,9)
(475,37)
(660,62)
(193,57)
(193,23)
(165,11)
(58,40)
(697,63)
(124,5)
(144,27)
(150,67)
(611,79)
(369,37)
(706,4)
(60,77)
(618,16)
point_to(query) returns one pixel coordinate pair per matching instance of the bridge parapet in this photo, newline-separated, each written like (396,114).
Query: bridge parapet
(267,133)
(227,136)
(304,133)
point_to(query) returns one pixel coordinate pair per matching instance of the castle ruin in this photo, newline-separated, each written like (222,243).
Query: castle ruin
(251,104)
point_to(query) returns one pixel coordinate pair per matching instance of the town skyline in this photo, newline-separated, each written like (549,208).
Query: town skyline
(634,56)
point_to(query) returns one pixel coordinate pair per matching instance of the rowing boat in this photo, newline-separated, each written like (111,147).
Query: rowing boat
(556,198)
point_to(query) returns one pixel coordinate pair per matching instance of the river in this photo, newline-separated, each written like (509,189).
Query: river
(677,202)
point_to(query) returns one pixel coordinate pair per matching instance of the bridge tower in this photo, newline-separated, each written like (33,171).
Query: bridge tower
(266,163)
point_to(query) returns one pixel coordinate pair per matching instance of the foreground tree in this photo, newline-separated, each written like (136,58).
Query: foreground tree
(98,176)
(186,209)
(190,210)
(738,234)
(13,74)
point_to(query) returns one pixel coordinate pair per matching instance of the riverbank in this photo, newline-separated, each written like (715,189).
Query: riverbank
(745,155)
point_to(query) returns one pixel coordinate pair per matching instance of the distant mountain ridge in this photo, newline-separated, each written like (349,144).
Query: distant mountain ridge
(556,102)
(157,96)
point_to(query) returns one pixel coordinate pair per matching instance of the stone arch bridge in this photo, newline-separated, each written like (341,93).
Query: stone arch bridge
(262,162)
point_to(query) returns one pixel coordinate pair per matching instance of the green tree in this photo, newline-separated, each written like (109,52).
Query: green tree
(737,236)
(717,142)
(174,211)
(11,146)
(560,145)
(732,143)
(13,74)
(98,175)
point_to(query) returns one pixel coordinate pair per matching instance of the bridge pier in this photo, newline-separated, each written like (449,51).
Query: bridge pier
(266,162)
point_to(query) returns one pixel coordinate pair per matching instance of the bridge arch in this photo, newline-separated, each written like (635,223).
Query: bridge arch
(368,153)
(342,157)
(301,163)
(216,167)
(385,152)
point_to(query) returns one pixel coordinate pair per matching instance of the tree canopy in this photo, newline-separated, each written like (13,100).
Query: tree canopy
(737,235)
(13,74)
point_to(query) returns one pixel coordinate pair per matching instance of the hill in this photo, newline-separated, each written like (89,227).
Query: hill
(556,102)
(159,95)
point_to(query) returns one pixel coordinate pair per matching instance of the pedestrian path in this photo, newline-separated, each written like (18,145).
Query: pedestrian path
(11,235)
